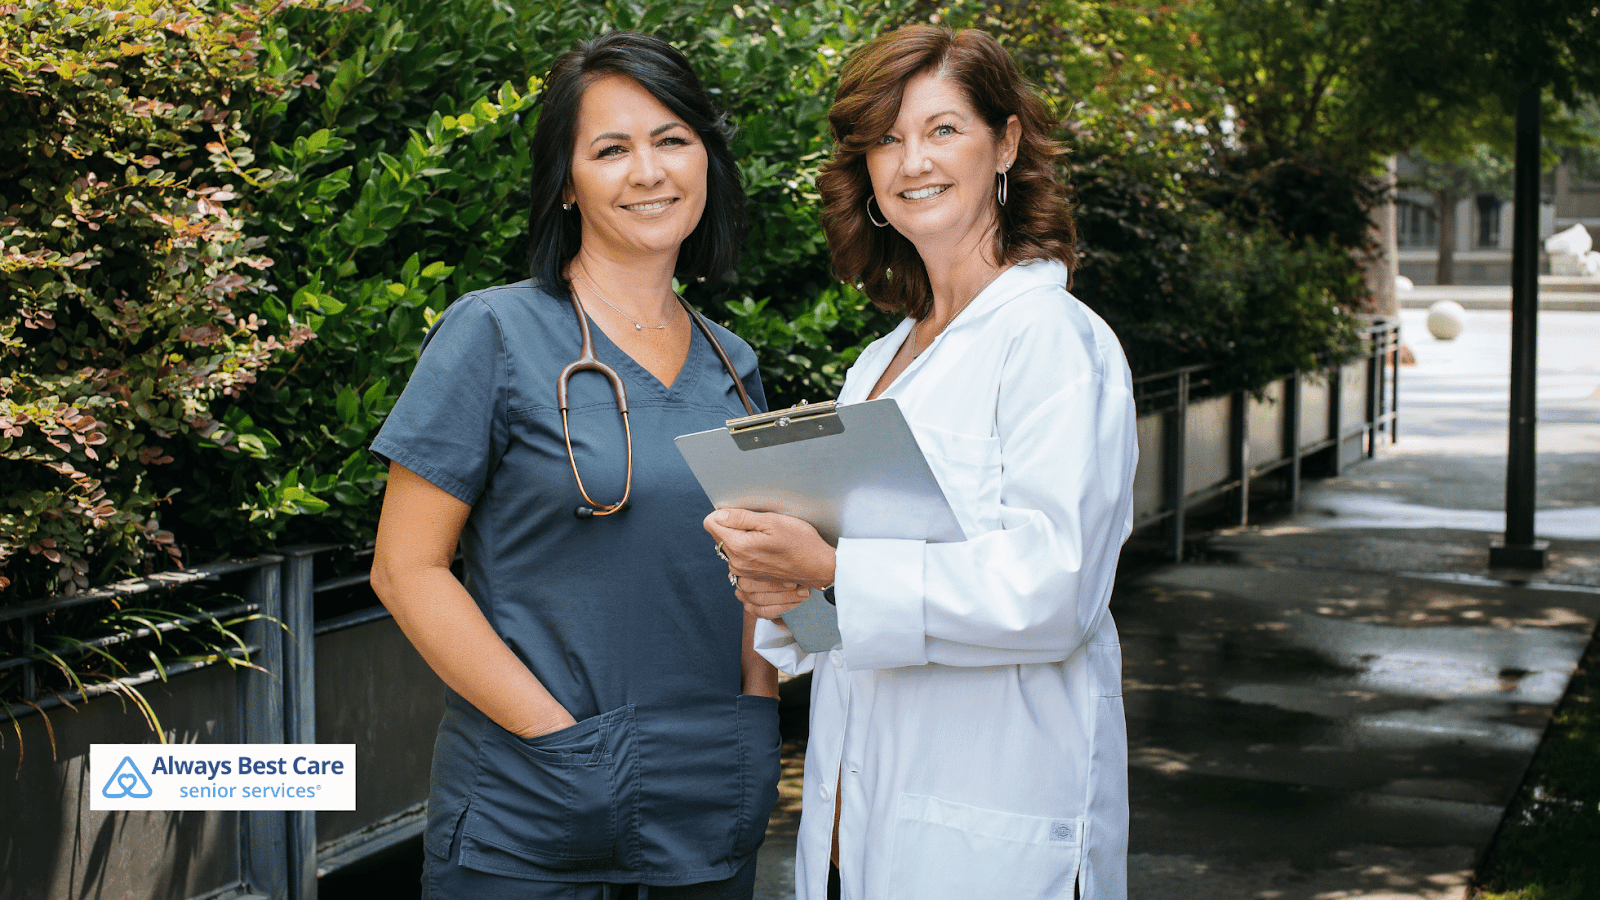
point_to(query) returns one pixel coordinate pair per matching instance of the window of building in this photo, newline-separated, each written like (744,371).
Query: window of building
(1488,220)
(1415,224)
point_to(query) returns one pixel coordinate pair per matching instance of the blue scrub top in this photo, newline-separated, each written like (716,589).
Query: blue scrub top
(628,619)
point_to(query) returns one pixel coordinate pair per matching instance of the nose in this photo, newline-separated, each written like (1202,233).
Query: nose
(914,159)
(647,168)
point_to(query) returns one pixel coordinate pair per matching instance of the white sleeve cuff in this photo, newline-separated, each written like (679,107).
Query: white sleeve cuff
(878,585)
(774,642)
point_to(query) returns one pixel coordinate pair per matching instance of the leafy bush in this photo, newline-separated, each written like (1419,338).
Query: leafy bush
(127,273)
(370,167)
(393,175)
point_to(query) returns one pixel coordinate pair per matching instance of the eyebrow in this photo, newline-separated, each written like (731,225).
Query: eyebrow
(945,112)
(656,132)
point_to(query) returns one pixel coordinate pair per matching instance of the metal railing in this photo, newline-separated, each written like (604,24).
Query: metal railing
(273,699)
(1196,444)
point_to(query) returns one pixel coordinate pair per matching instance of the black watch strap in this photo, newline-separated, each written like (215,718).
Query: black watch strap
(827,594)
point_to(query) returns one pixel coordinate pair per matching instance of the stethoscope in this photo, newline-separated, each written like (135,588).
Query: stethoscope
(587,361)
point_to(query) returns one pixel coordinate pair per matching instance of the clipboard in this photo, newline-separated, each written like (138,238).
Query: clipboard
(851,470)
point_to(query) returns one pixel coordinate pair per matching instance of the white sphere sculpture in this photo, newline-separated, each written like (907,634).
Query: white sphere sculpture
(1446,319)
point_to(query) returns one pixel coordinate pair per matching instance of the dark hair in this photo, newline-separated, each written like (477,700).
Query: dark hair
(712,249)
(1035,223)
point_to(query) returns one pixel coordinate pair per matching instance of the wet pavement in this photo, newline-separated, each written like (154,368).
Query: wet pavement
(1339,701)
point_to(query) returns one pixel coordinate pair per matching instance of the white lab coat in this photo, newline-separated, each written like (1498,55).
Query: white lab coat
(974,709)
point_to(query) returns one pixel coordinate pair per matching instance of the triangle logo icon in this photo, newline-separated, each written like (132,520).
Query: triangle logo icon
(127,781)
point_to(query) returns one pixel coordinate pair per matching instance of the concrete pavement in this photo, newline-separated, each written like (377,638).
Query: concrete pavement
(1340,701)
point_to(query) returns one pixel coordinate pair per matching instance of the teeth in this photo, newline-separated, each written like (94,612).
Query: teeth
(647,207)
(924,193)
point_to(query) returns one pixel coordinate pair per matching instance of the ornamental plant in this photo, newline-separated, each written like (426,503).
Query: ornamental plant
(127,273)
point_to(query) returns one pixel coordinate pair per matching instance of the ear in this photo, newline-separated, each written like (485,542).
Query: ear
(1009,142)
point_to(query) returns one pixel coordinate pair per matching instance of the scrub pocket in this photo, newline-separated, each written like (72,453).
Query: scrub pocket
(760,748)
(562,802)
(952,851)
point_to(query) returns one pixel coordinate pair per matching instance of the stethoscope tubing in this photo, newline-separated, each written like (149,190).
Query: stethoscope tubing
(587,361)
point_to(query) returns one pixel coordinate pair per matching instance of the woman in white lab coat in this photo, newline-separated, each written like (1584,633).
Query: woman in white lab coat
(967,738)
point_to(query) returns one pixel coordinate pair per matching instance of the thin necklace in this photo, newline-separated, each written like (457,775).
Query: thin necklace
(914,351)
(636,325)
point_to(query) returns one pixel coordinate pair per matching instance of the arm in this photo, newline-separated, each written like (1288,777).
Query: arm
(417,534)
(760,678)
(1035,586)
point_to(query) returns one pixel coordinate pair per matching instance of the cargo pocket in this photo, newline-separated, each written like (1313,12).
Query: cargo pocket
(560,802)
(440,831)
(760,747)
(952,851)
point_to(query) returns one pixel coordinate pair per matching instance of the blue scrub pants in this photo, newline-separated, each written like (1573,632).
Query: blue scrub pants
(442,880)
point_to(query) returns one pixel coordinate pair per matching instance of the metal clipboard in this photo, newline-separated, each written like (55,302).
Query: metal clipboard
(851,470)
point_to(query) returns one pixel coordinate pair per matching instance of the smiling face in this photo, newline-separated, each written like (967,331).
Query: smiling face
(933,173)
(638,172)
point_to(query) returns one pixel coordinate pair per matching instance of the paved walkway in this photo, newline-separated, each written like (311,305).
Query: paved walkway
(1340,702)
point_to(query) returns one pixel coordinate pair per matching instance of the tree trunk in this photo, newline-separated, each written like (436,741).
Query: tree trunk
(1447,238)
(1384,266)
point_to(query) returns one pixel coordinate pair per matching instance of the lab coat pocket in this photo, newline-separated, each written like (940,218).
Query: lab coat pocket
(563,801)
(1105,667)
(952,851)
(759,765)
(968,469)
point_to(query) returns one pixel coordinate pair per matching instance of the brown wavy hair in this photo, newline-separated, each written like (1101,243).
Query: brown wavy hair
(1035,223)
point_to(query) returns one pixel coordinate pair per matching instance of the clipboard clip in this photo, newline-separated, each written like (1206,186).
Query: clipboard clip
(786,426)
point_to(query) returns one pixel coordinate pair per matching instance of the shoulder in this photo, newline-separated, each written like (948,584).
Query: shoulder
(1041,318)
(502,300)
(494,311)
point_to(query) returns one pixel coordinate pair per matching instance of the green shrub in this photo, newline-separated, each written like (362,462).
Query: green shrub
(371,166)
(393,180)
(127,278)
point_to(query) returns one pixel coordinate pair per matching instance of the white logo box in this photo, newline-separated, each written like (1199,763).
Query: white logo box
(222,776)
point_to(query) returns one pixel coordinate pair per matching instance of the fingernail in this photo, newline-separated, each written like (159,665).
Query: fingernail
(720,517)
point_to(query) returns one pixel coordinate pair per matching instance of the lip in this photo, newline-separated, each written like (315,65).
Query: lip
(936,189)
(650,206)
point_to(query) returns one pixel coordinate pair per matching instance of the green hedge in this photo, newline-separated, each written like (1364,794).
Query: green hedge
(131,281)
(345,173)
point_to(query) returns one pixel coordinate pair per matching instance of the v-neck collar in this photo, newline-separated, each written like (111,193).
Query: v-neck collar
(635,375)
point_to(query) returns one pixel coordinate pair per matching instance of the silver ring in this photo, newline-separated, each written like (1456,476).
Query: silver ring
(733,580)
(720,555)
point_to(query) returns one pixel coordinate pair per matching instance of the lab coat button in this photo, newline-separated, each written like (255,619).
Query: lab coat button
(823,790)
(838,659)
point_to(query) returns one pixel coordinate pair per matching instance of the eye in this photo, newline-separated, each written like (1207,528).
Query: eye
(886,139)
(944,130)
(674,141)
(610,150)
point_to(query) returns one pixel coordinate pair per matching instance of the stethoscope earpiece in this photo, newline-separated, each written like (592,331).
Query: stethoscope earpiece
(584,512)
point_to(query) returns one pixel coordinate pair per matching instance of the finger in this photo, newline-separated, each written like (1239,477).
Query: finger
(768,606)
(756,585)
(739,519)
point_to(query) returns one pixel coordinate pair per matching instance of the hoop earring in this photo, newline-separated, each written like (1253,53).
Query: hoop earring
(869,214)
(1000,187)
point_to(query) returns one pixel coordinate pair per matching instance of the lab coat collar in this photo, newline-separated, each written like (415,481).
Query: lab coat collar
(1012,283)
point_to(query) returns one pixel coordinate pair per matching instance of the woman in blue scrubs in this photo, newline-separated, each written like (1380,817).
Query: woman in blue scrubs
(609,732)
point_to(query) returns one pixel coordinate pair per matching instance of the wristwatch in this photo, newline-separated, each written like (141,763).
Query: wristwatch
(827,594)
